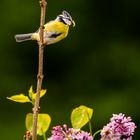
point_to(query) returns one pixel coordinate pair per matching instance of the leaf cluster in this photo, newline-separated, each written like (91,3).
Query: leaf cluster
(80,116)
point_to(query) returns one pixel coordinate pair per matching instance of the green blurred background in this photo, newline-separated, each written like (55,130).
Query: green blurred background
(97,65)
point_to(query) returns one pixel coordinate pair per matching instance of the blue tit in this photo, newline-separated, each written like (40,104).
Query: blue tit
(54,30)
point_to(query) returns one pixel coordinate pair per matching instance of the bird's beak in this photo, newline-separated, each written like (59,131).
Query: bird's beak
(73,23)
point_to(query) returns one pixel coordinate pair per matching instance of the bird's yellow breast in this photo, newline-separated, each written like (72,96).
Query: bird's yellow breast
(56,26)
(54,31)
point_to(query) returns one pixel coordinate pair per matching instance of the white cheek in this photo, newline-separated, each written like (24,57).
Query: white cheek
(68,22)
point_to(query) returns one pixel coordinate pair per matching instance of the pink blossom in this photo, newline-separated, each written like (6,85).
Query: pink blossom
(119,127)
(64,133)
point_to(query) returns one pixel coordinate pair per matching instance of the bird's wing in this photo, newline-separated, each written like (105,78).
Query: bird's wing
(52,34)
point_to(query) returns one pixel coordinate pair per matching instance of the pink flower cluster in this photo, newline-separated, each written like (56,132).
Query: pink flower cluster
(119,128)
(64,133)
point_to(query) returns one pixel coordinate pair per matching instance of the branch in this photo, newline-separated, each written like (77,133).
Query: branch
(40,69)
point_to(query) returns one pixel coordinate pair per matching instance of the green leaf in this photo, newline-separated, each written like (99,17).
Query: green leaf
(19,98)
(32,95)
(31,92)
(80,116)
(28,121)
(43,92)
(44,121)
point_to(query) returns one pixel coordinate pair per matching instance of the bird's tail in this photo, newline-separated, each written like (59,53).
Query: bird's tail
(23,37)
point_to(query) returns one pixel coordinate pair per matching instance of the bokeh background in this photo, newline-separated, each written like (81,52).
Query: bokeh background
(97,65)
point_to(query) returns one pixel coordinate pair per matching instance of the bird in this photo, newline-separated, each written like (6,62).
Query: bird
(54,30)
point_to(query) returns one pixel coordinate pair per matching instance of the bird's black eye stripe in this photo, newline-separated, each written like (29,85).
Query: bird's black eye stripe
(55,35)
(61,20)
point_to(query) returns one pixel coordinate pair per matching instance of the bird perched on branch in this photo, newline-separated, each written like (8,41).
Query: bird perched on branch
(54,30)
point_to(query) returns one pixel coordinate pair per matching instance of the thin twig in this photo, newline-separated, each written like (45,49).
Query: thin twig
(89,122)
(44,136)
(96,133)
(40,70)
